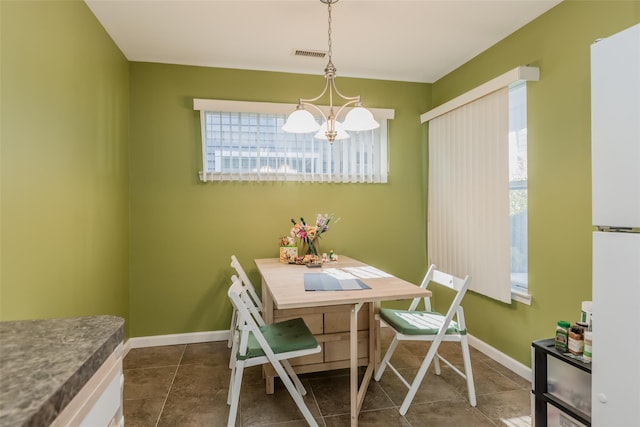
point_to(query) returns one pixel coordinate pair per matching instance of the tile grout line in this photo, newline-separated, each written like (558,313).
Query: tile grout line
(397,408)
(315,400)
(170,386)
(526,387)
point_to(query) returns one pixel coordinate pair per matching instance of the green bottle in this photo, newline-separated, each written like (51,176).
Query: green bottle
(562,336)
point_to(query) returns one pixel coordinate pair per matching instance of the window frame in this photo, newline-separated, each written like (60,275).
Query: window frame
(332,154)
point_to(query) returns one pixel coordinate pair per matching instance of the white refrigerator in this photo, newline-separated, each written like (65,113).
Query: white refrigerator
(615,132)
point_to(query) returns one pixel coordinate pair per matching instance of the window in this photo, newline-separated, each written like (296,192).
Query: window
(478,167)
(518,188)
(244,141)
(468,216)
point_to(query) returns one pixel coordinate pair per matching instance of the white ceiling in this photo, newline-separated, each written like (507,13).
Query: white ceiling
(405,40)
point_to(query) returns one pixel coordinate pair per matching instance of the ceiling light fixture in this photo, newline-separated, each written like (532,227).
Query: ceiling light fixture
(357,119)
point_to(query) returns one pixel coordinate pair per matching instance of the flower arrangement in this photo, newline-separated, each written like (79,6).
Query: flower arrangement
(308,234)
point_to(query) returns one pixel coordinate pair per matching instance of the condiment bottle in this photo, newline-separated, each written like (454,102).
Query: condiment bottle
(586,355)
(562,335)
(576,340)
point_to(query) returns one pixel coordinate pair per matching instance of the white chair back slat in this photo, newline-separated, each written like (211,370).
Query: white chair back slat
(247,302)
(424,285)
(249,318)
(235,264)
(453,308)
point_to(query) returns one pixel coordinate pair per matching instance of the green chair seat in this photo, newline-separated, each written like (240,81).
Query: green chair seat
(417,322)
(283,337)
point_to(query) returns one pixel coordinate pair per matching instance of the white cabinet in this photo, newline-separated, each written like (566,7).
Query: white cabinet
(62,372)
(616,293)
(99,402)
(615,129)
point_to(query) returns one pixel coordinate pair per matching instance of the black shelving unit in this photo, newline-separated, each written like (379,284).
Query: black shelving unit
(573,405)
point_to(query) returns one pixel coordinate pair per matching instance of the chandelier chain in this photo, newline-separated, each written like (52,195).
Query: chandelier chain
(329,30)
(357,119)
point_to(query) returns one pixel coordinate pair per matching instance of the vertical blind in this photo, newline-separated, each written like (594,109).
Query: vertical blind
(250,146)
(468,201)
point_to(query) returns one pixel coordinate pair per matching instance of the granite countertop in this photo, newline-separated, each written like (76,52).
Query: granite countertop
(45,363)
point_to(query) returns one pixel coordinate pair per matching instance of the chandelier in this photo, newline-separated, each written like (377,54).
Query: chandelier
(357,119)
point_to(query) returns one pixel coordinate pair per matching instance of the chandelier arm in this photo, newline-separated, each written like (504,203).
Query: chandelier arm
(355,101)
(347,98)
(305,102)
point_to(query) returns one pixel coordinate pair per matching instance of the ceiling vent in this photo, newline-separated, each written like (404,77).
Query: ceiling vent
(309,53)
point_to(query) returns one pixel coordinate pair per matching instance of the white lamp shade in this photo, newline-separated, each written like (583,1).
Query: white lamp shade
(358,119)
(342,134)
(300,121)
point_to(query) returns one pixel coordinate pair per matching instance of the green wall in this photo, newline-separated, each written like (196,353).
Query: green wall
(559,154)
(64,167)
(102,210)
(183,231)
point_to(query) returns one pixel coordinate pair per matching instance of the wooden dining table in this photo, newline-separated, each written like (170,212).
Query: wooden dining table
(283,291)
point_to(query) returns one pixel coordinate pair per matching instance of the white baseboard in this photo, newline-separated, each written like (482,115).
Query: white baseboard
(523,370)
(175,339)
(198,337)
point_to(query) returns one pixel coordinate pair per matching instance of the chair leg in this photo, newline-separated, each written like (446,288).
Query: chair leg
(294,377)
(466,358)
(232,327)
(418,378)
(234,349)
(436,364)
(233,398)
(386,358)
(231,379)
(297,397)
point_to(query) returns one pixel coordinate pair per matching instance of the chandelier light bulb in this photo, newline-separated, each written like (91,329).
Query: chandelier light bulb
(301,121)
(359,119)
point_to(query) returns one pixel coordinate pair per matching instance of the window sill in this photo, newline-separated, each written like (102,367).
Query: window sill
(521,297)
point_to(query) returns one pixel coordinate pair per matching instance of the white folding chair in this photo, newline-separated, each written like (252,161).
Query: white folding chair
(235,264)
(413,325)
(260,343)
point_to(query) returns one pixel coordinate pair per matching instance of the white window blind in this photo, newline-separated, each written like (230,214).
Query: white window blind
(244,141)
(468,198)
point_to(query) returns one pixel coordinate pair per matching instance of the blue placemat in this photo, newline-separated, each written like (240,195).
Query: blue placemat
(326,282)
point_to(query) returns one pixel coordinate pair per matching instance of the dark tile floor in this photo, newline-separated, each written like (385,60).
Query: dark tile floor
(186,385)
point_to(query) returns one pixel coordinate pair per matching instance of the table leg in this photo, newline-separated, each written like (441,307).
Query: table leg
(374,335)
(267,315)
(358,392)
(353,354)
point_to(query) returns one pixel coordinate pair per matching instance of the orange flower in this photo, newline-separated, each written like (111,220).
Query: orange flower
(311,232)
